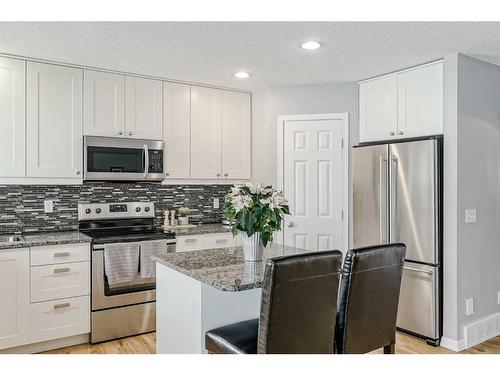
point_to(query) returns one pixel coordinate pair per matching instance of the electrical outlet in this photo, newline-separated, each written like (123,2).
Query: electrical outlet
(216,202)
(48,206)
(469,306)
(470,215)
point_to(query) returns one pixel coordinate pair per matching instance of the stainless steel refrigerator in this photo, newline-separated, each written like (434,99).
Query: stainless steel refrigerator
(397,198)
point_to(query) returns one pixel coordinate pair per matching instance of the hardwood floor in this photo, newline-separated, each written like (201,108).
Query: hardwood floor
(145,344)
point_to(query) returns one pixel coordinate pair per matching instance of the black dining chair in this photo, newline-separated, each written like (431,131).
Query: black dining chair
(298,309)
(368,299)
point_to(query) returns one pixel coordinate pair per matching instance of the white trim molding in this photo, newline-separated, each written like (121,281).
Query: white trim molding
(344,117)
(454,345)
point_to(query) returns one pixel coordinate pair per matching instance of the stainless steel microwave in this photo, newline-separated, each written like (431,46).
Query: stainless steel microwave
(122,159)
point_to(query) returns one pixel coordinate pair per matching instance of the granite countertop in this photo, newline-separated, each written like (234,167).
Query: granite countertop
(224,269)
(201,229)
(45,238)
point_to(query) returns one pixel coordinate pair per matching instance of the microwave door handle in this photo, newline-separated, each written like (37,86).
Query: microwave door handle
(146,160)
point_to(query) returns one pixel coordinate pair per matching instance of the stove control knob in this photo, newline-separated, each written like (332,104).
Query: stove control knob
(146,209)
(98,210)
(137,209)
(88,210)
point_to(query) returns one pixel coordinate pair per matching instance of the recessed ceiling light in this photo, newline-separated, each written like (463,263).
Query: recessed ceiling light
(311,45)
(242,75)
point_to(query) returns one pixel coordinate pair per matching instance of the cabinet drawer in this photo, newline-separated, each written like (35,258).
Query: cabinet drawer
(219,240)
(60,281)
(42,255)
(189,243)
(61,318)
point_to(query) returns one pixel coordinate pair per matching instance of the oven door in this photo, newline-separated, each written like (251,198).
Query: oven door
(139,290)
(122,159)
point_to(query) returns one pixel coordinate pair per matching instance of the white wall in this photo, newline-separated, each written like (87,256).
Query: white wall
(268,104)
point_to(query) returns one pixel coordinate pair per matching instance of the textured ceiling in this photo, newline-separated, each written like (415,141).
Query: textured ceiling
(211,52)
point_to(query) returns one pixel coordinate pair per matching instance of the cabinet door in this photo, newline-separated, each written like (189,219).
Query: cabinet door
(104,104)
(236,135)
(420,101)
(378,109)
(177,129)
(206,122)
(14,298)
(54,121)
(143,108)
(12,127)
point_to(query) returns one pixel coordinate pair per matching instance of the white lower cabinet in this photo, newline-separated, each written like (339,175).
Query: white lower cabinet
(14,298)
(60,281)
(61,318)
(59,305)
(206,241)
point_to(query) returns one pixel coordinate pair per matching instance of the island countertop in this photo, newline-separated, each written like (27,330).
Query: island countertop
(224,269)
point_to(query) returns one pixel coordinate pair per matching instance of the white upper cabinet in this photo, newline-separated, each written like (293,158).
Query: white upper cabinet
(12,117)
(406,104)
(177,129)
(420,101)
(378,109)
(206,124)
(14,297)
(143,108)
(104,104)
(236,135)
(54,121)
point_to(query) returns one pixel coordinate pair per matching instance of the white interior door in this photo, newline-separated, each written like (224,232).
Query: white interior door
(313,175)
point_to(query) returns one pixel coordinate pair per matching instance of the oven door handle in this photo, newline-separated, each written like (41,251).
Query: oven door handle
(168,242)
(146,160)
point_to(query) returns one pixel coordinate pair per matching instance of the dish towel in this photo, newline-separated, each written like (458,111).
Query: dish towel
(121,262)
(149,249)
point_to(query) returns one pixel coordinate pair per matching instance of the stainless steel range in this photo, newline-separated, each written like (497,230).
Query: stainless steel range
(123,275)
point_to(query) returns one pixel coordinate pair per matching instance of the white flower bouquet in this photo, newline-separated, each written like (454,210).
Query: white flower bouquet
(255,208)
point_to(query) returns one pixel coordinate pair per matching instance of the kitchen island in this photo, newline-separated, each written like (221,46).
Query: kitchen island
(200,290)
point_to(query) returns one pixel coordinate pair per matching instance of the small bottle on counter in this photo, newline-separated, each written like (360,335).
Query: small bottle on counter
(166,221)
(172,218)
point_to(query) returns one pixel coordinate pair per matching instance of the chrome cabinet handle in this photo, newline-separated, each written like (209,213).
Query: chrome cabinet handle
(61,270)
(58,255)
(78,172)
(190,240)
(417,270)
(62,306)
(400,132)
(120,133)
(130,133)
(167,174)
(289,224)
(226,174)
(221,241)
(392,133)
(218,174)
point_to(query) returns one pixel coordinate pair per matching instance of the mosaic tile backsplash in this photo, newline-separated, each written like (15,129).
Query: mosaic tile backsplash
(21,206)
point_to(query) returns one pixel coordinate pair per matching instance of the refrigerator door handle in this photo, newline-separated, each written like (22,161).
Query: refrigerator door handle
(393,175)
(383,199)
(427,272)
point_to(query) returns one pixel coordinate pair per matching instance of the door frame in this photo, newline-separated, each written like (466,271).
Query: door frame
(344,117)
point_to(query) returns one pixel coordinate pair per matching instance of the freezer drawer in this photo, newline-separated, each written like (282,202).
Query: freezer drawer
(418,310)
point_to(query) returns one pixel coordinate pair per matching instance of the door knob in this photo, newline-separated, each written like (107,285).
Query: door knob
(225,174)
(400,132)
(130,133)
(289,224)
(218,174)
(120,133)
(392,133)
(77,172)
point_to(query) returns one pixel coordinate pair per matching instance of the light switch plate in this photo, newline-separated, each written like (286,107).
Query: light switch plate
(469,306)
(48,206)
(470,215)
(216,202)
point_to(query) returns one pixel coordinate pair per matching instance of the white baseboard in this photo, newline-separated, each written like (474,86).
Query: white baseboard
(455,345)
(482,330)
(48,345)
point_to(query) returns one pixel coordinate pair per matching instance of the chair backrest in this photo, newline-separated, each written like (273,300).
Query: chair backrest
(368,298)
(299,303)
